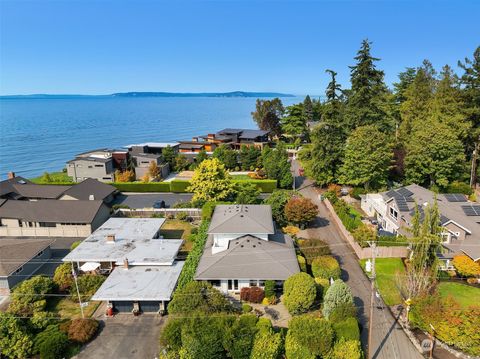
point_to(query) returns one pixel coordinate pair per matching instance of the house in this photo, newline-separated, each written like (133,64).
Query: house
(245,249)
(90,189)
(235,138)
(51,218)
(142,268)
(144,154)
(98,164)
(459,219)
(20,259)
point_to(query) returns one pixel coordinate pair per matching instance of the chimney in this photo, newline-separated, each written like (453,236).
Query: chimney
(91,197)
(11,175)
(111,238)
(125,263)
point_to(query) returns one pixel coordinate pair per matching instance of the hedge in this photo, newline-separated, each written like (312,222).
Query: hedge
(266,186)
(347,329)
(179,186)
(142,187)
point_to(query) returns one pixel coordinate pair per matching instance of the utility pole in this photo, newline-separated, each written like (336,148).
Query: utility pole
(373,246)
(473,174)
(78,292)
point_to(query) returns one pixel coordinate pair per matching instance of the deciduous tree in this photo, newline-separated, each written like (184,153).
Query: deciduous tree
(277,166)
(267,115)
(300,210)
(211,182)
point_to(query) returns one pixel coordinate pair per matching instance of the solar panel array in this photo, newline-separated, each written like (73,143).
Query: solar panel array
(404,192)
(455,197)
(471,210)
(402,204)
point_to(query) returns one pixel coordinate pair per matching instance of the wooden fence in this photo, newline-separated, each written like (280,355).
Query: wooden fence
(362,253)
(195,213)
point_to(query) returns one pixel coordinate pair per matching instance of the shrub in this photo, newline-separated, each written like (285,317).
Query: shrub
(238,340)
(357,191)
(63,277)
(75,245)
(252,294)
(302,263)
(82,330)
(308,337)
(277,201)
(472,280)
(300,210)
(171,335)
(346,349)
(246,308)
(322,286)
(267,345)
(342,312)
(335,189)
(182,216)
(326,267)
(312,248)
(209,207)
(459,187)
(179,186)
(363,234)
(270,288)
(30,296)
(51,343)
(465,266)
(292,231)
(15,340)
(88,284)
(337,294)
(198,296)
(347,329)
(299,293)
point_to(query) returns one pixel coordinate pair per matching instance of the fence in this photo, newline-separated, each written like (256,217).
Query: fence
(195,213)
(362,253)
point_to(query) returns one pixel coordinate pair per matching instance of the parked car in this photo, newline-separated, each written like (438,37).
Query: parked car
(159,204)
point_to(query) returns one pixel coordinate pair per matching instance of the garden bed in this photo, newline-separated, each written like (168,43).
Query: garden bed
(177,229)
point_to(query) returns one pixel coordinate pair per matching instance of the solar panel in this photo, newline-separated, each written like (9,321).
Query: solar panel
(471,210)
(402,204)
(455,197)
(404,192)
(391,194)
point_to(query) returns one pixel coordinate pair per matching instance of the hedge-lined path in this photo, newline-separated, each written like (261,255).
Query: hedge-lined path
(388,340)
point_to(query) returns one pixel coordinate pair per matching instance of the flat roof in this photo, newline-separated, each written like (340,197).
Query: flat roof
(154,144)
(140,283)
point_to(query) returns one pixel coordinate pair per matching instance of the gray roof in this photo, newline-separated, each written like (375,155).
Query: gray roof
(52,211)
(248,219)
(249,257)
(7,186)
(91,159)
(243,132)
(154,283)
(90,186)
(42,191)
(14,253)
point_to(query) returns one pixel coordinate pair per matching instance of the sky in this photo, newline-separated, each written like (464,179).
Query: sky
(107,46)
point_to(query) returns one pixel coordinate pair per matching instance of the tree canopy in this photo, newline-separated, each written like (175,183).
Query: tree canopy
(211,182)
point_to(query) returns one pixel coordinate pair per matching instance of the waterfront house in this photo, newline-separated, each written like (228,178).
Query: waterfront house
(20,259)
(98,164)
(245,249)
(459,219)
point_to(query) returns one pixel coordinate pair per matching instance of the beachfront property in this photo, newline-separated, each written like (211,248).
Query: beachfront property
(20,259)
(395,209)
(142,268)
(245,249)
(143,154)
(98,164)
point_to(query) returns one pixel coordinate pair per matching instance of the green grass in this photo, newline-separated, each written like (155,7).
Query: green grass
(69,309)
(240,177)
(55,178)
(177,229)
(386,270)
(465,295)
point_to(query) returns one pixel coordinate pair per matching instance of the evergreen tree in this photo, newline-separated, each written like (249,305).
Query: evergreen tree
(308,109)
(226,155)
(406,79)
(367,97)
(294,124)
(250,157)
(277,166)
(168,155)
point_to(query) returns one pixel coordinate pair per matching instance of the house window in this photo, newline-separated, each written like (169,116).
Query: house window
(20,223)
(215,283)
(90,166)
(98,165)
(40,253)
(261,283)
(445,237)
(18,270)
(253,282)
(47,224)
(106,178)
(393,213)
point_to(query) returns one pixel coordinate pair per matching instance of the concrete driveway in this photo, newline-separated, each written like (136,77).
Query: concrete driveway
(146,200)
(126,336)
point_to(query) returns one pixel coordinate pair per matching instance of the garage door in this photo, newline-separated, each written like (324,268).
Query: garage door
(123,306)
(149,306)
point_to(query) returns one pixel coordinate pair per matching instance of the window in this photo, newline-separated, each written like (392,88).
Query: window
(90,167)
(215,283)
(253,282)
(393,213)
(18,270)
(47,224)
(106,178)
(98,165)
(445,237)
(261,283)
(40,253)
(79,165)
(20,223)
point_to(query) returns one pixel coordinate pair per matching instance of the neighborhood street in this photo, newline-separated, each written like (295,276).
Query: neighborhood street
(388,339)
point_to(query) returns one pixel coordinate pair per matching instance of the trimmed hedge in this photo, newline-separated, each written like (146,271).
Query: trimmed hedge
(179,186)
(326,267)
(142,187)
(266,186)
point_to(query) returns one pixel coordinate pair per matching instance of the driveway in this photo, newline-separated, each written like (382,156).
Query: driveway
(125,336)
(388,339)
(146,200)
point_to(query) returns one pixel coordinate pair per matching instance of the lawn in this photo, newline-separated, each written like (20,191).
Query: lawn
(55,177)
(386,270)
(240,177)
(465,295)
(69,309)
(177,229)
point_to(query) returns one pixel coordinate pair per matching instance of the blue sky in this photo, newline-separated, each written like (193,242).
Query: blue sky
(100,47)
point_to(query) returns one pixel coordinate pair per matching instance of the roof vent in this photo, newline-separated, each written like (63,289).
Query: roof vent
(110,238)
(91,197)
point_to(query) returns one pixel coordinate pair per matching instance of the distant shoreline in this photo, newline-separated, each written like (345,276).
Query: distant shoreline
(234,94)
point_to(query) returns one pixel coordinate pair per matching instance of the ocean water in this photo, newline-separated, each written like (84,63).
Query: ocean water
(38,135)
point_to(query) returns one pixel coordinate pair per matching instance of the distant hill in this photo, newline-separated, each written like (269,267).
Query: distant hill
(155,94)
(202,94)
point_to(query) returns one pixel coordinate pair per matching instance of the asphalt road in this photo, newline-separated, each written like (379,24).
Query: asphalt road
(388,340)
(146,200)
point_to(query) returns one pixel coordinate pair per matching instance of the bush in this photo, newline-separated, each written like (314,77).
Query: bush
(252,294)
(246,308)
(326,267)
(51,343)
(238,340)
(82,330)
(465,266)
(171,335)
(88,284)
(291,231)
(182,216)
(75,245)
(63,277)
(363,234)
(15,340)
(322,285)
(198,297)
(277,201)
(142,187)
(342,312)
(459,187)
(299,293)
(357,191)
(338,293)
(302,263)
(270,288)
(312,248)
(209,207)
(267,345)
(29,296)
(346,349)
(179,186)
(347,329)
(300,210)
(308,337)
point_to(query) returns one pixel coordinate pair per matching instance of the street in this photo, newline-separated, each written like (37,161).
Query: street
(388,338)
